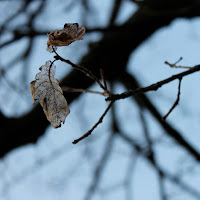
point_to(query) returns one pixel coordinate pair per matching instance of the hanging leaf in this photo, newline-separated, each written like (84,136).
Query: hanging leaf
(66,36)
(47,91)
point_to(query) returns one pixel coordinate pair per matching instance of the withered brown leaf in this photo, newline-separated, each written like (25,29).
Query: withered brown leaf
(70,33)
(45,88)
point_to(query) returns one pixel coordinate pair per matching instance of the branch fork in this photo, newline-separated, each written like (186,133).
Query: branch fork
(114,97)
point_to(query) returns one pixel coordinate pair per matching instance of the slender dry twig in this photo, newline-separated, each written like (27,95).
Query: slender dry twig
(181,58)
(99,121)
(68,89)
(103,78)
(154,86)
(82,69)
(175,64)
(176,102)
(94,78)
(169,130)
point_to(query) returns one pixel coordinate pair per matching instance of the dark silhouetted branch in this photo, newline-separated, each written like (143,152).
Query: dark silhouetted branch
(154,86)
(119,43)
(83,70)
(68,89)
(176,102)
(99,121)
(144,101)
(175,64)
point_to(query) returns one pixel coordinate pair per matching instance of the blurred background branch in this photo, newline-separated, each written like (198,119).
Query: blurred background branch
(133,136)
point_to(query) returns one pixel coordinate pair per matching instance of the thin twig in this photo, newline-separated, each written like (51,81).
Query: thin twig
(103,78)
(181,58)
(175,64)
(68,89)
(176,102)
(99,121)
(82,69)
(154,86)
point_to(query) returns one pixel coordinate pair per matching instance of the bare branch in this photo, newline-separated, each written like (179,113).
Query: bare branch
(154,86)
(99,121)
(68,89)
(82,69)
(176,102)
(144,101)
(103,78)
(175,66)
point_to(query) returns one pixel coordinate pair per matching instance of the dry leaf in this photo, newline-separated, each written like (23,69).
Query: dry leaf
(47,91)
(69,34)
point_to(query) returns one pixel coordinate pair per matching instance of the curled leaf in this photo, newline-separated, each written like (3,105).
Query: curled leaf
(45,88)
(70,33)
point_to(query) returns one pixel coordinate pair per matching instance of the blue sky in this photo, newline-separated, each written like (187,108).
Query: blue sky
(44,170)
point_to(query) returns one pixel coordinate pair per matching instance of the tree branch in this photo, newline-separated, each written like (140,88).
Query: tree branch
(82,69)
(176,102)
(154,86)
(144,101)
(119,43)
(68,89)
(99,121)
